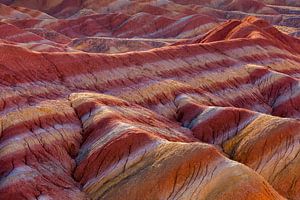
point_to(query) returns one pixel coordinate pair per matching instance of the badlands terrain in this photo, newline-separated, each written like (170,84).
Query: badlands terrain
(149,99)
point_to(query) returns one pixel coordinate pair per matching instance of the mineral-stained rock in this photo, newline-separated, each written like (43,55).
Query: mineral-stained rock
(37,145)
(178,99)
(267,144)
(125,144)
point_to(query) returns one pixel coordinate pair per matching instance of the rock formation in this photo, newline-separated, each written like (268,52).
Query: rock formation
(155,100)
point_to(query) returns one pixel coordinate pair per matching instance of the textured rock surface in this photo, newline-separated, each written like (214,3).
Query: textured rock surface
(107,26)
(195,106)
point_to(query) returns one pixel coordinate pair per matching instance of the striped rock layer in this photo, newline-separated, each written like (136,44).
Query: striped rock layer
(113,26)
(202,115)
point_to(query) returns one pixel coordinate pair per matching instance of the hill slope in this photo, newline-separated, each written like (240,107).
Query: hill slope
(195,107)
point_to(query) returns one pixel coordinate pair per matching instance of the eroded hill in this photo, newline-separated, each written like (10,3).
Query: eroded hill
(196,107)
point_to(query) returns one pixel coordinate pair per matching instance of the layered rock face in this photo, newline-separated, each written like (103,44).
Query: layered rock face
(120,26)
(149,100)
